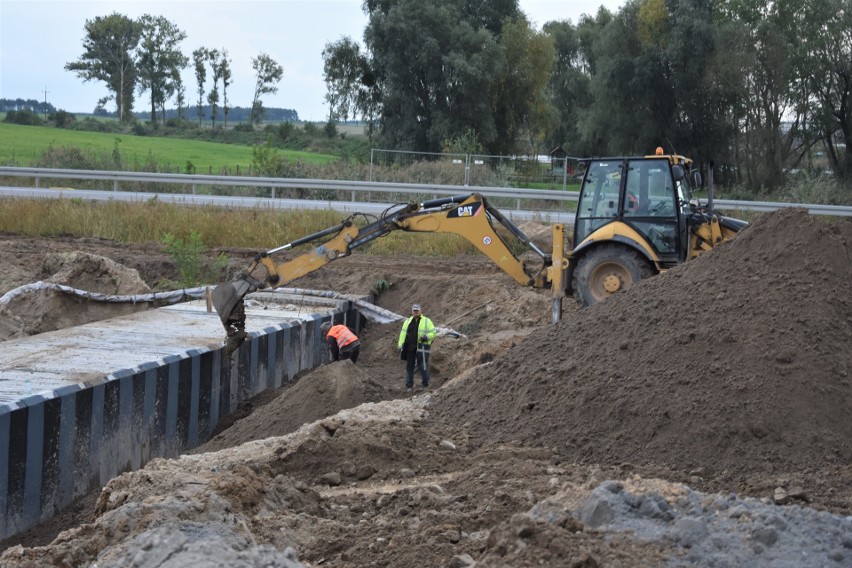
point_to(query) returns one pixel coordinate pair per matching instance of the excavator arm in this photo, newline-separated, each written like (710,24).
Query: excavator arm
(469,216)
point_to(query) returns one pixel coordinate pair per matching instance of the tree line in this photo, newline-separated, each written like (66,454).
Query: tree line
(13,105)
(143,56)
(758,86)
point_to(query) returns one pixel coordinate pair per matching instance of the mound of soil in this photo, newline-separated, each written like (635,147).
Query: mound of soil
(41,310)
(322,392)
(737,361)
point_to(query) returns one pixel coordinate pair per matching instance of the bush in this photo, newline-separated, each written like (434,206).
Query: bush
(25,117)
(62,119)
(188,254)
(330,129)
(90,124)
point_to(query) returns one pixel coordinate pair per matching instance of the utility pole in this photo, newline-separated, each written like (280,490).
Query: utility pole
(45,102)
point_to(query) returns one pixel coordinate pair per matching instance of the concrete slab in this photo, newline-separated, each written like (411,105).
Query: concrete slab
(87,354)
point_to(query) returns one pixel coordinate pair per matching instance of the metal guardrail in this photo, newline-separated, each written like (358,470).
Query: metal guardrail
(354,188)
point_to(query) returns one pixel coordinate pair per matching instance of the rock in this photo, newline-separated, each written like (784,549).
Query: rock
(365,471)
(331,478)
(461,561)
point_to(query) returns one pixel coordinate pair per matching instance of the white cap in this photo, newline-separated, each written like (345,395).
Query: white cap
(415,307)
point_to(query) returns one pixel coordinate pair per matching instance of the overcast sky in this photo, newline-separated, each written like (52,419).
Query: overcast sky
(38,37)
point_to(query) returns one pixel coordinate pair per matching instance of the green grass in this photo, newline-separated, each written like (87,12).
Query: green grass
(24,146)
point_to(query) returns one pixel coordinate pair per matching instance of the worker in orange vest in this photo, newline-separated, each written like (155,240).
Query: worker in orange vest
(342,343)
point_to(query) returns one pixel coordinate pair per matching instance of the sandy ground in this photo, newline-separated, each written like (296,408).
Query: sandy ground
(700,419)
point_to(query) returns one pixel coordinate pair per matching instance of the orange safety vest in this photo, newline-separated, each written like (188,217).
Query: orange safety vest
(342,335)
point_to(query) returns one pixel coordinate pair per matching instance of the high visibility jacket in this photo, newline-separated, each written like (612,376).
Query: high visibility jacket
(426,331)
(342,335)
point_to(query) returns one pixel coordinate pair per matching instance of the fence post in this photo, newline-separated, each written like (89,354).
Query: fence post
(466,170)
(115,185)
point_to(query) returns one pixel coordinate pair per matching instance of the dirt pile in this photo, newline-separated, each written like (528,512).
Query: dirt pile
(41,310)
(321,393)
(736,361)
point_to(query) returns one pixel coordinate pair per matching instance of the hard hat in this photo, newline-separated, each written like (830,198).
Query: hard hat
(326,325)
(415,308)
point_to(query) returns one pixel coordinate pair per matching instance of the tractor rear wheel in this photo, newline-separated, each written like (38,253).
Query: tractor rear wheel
(605,270)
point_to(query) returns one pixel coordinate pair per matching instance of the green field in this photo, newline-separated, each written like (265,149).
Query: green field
(24,146)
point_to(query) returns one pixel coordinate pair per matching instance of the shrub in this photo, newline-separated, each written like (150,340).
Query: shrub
(188,254)
(62,119)
(25,117)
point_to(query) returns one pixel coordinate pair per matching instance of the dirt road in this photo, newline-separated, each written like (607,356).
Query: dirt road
(700,419)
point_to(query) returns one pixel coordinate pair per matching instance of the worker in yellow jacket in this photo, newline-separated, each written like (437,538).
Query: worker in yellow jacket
(415,341)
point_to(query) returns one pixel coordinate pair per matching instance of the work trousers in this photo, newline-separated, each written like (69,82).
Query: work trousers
(420,359)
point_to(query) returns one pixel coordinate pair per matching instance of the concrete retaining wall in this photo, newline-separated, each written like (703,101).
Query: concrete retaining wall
(63,444)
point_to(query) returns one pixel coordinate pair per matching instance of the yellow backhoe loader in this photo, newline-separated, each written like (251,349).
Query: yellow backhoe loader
(469,216)
(636,217)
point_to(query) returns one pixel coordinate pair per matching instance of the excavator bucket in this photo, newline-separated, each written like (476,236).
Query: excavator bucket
(227,295)
(228,300)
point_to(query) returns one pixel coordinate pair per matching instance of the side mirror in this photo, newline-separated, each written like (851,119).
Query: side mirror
(677,173)
(696,178)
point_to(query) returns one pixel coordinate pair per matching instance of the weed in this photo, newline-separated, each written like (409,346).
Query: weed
(189,256)
(380,285)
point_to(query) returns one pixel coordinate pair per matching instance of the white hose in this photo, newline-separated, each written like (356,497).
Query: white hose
(370,311)
(171,297)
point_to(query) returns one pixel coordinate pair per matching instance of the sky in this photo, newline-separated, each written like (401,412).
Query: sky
(38,37)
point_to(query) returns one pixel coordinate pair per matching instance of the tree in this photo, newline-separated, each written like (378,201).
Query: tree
(824,59)
(434,64)
(342,69)
(521,106)
(568,88)
(108,56)
(351,85)
(213,95)
(159,60)
(225,70)
(180,93)
(199,59)
(267,75)
(770,115)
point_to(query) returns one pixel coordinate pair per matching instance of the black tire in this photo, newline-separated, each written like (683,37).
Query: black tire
(605,270)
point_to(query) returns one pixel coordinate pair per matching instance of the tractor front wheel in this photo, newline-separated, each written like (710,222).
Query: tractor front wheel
(605,270)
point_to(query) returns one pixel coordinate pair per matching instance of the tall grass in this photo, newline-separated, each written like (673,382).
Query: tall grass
(153,221)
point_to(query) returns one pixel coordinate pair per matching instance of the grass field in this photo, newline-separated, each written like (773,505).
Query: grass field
(25,145)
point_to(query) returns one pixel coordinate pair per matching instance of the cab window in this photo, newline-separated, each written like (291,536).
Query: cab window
(599,197)
(650,190)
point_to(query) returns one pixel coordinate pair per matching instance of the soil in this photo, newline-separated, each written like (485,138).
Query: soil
(718,390)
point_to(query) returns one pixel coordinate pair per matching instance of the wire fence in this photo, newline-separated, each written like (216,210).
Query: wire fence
(475,170)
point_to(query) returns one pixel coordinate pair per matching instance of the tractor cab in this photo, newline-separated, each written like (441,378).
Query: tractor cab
(642,202)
